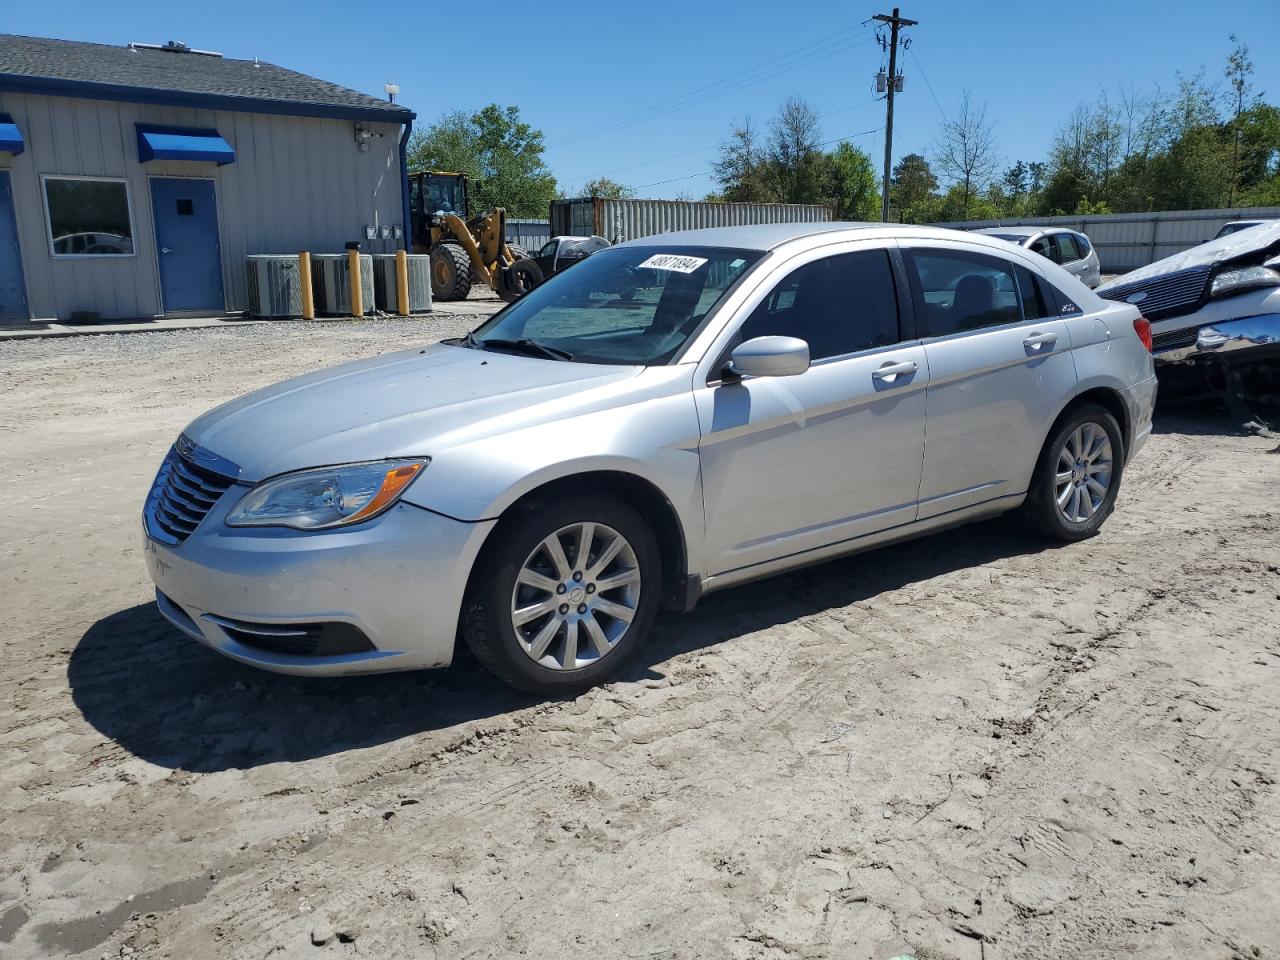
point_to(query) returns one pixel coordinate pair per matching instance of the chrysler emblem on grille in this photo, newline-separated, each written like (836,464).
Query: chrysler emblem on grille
(192,451)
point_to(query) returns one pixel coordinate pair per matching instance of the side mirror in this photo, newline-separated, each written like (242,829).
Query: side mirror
(770,357)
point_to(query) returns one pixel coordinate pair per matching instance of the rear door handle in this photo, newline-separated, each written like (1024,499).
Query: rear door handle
(890,371)
(165,250)
(1040,342)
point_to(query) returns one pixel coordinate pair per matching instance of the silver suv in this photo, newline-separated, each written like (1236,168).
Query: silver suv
(673,416)
(1070,250)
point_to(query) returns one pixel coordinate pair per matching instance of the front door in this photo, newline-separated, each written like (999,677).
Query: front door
(13,293)
(791,464)
(186,213)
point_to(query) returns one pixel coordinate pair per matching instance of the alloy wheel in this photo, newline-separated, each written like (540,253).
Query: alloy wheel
(1084,471)
(575,596)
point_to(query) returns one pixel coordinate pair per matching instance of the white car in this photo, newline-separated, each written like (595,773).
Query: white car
(1068,249)
(1214,311)
(740,402)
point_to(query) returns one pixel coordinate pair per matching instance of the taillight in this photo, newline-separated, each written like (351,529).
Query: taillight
(1142,327)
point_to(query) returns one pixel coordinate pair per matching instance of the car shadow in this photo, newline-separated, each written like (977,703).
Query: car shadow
(172,702)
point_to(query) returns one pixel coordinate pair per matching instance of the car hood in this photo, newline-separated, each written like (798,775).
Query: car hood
(1232,246)
(400,404)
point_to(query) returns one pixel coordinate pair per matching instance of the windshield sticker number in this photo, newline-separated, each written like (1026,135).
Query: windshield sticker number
(673,262)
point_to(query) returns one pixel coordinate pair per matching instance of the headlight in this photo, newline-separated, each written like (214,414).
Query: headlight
(327,497)
(1230,282)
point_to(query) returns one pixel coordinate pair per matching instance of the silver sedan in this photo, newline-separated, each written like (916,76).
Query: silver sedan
(673,416)
(1072,251)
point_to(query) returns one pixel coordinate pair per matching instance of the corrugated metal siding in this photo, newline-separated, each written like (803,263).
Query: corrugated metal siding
(617,220)
(1126,241)
(297,183)
(530,234)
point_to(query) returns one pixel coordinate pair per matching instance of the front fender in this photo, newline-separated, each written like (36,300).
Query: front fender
(654,438)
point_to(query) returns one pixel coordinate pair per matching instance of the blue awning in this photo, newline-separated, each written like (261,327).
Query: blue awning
(182,143)
(10,136)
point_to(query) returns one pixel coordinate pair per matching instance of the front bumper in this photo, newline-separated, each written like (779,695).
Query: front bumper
(399,579)
(1246,339)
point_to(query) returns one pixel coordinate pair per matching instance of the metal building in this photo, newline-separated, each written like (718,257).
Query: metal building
(134,180)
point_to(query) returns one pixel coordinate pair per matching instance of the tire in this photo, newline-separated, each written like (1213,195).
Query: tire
(516,550)
(518,279)
(518,252)
(1066,470)
(450,272)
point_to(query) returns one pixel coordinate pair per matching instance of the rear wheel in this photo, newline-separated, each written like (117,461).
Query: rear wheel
(450,272)
(1077,479)
(564,594)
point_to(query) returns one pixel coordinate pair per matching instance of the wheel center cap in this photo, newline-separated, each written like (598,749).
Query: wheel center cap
(577,595)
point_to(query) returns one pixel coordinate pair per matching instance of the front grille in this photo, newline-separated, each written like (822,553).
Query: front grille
(182,494)
(329,639)
(1174,339)
(1167,295)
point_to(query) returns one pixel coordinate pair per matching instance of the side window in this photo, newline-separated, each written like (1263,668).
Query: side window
(1083,243)
(1058,300)
(838,305)
(1034,306)
(1044,247)
(1070,252)
(957,291)
(548,249)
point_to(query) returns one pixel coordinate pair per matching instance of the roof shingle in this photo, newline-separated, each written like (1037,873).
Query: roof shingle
(65,65)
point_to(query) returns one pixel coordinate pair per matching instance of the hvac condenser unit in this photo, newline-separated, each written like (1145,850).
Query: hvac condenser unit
(330,281)
(384,282)
(274,287)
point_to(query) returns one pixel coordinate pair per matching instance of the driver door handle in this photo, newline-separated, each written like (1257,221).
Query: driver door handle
(165,250)
(890,372)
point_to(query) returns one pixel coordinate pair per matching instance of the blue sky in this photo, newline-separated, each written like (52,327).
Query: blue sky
(644,92)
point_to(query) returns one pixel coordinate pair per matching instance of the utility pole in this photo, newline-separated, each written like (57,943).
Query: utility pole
(895,22)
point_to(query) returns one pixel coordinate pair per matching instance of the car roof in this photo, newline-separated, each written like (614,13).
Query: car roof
(1015,231)
(771,236)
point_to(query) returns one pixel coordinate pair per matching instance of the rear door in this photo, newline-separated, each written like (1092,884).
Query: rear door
(1000,367)
(791,464)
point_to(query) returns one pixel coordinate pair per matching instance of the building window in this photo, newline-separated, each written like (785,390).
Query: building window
(88,217)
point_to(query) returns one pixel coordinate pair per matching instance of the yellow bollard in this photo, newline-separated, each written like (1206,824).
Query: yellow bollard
(304,282)
(402,282)
(353,271)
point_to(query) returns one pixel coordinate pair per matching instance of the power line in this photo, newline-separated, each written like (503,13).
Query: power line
(767,70)
(927,85)
(714,146)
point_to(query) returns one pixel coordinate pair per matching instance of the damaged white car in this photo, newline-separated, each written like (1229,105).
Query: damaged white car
(1215,314)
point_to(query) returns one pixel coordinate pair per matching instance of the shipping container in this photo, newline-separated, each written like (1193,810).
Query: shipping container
(1126,241)
(619,220)
(530,234)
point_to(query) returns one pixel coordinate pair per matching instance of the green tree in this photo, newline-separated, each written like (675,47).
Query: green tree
(607,189)
(911,186)
(499,152)
(739,170)
(852,188)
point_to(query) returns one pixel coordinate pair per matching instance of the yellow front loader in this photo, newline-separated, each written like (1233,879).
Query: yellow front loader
(465,249)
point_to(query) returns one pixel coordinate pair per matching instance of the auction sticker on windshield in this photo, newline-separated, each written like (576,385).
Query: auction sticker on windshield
(672,261)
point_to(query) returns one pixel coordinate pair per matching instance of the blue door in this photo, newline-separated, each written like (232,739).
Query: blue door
(13,292)
(186,213)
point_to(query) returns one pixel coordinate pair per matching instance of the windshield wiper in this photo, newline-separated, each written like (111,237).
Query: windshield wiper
(523,345)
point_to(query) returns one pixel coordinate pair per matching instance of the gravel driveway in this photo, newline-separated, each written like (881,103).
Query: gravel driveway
(970,746)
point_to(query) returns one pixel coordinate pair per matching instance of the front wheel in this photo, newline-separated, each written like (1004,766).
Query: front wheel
(1077,479)
(563,595)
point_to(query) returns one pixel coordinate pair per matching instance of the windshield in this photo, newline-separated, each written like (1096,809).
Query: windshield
(625,305)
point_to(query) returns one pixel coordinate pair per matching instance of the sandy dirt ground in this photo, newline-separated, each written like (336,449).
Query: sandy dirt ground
(970,746)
